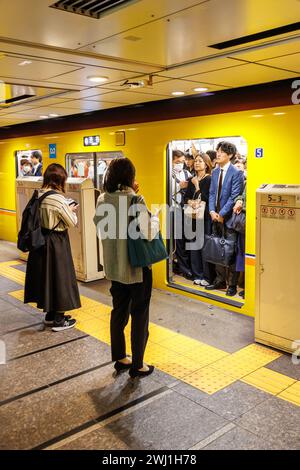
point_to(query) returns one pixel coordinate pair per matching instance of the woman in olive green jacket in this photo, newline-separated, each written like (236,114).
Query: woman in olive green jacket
(131,287)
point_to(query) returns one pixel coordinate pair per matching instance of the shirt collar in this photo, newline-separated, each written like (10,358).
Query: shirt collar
(225,167)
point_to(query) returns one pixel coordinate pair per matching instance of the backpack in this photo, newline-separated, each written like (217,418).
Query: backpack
(30,236)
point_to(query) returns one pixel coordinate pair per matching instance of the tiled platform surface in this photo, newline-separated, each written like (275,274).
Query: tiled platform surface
(212,387)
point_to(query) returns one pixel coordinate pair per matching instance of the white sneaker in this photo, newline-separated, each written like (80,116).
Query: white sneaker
(197,282)
(204,283)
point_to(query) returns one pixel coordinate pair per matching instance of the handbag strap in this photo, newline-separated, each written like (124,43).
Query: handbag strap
(214,229)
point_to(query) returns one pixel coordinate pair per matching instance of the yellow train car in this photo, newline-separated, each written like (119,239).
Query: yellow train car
(275,130)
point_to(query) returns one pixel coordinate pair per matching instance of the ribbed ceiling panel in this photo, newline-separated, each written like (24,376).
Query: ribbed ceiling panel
(91,8)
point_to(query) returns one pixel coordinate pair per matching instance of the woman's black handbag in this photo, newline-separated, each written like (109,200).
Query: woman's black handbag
(219,248)
(237,222)
(142,252)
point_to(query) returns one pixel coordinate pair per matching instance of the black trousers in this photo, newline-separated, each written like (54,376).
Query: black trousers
(182,256)
(134,300)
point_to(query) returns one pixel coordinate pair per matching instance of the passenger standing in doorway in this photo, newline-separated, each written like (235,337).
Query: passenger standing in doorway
(130,287)
(180,179)
(198,190)
(25,167)
(189,164)
(212,155)
(50,275)
(36,160)
(227,184)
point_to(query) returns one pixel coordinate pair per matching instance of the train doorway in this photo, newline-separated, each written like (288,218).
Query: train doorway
(190,163)
(91,165)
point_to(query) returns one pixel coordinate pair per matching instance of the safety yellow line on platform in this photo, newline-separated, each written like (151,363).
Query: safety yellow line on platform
(204,367)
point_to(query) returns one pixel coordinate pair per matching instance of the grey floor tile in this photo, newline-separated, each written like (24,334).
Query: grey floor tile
(24,307)
(20,267)
(235,400)
(284,365)
(219,328)
(276,421)
(6,285)
(96,290)
(171,422)
(101,439)
(239,439)
(190,392)
(16,318)
(37,418)
(8,251)
(30,340)
(4,304)
(164,379)
(25,374)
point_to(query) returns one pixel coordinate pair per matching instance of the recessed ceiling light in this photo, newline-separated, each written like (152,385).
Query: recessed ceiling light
(53,115)
(178,93)
(25,62)
(279,114)
(44,117)
(97,79)
(200,89)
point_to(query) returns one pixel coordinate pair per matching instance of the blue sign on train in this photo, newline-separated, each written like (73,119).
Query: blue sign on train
(52,150)
(259,153)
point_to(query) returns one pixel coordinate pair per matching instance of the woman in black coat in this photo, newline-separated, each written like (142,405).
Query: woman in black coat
(198,189)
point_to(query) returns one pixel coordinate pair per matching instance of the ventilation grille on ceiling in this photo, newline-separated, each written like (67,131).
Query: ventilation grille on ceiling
(289,28)
(12,94)
(91,8)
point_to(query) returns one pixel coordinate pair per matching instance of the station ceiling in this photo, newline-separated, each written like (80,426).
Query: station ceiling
(143,50)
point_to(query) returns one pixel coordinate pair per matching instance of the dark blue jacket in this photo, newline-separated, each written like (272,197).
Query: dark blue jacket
(232,187)
(38,171)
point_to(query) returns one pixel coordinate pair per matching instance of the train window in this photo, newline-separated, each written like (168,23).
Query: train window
(91,165)
(195,177)
(25,165)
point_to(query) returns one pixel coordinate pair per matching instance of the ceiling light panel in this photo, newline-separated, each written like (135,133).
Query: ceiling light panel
(38,70)
(243,75)
(290,62)
(200,67)
(290,46)
(168,86)
(83,76)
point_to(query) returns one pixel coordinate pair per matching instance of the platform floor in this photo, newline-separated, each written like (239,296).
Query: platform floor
(213,387)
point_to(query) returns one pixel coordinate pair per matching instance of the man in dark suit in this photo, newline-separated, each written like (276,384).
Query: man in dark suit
(227,184)
(36,160)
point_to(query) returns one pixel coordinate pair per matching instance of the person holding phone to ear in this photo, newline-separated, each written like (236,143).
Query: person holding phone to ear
(131,287)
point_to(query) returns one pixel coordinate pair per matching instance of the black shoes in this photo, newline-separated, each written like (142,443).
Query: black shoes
(217,285)
(139,373)
(119,366)
(65,324)
(50,322)
(231,291)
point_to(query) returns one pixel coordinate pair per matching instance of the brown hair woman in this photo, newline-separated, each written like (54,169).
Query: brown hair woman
(50,275)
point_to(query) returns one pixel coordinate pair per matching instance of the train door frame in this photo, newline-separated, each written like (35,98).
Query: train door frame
(95,156)
(170,242)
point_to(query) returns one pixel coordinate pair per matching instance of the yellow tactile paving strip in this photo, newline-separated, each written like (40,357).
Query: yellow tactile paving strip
(204,367)
(292,393)
(7,270)
(269,381)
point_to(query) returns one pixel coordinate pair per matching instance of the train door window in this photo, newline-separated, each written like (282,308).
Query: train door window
(190,163)
(103,160)
(24,163)
(91,165)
